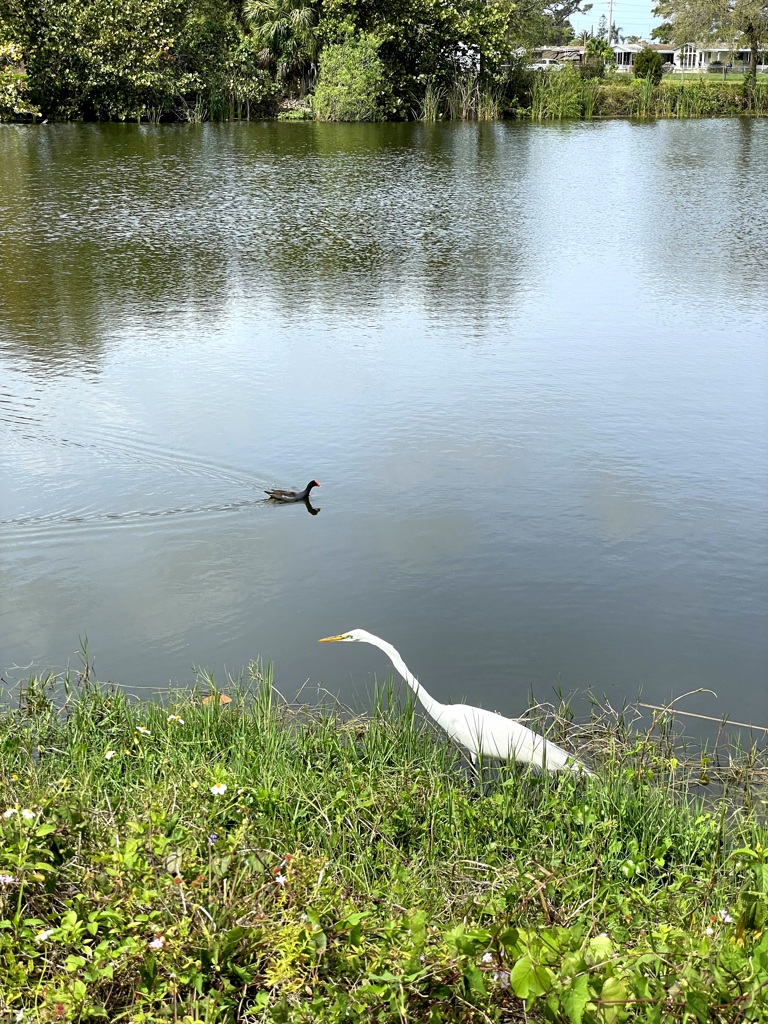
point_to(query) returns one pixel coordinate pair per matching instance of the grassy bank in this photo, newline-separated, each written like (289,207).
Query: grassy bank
(565,95)
(252,861)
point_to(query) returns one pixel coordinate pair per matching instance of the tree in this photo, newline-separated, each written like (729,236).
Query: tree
(426,40)
(603,33)
(98,58)
(597,47)
(352,81)
(662,33)
(14,104)
(560,11)
(120,59)
(286,31)
(647,64)
(597,54)
(719,21)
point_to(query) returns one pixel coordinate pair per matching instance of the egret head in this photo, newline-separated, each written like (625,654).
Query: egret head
(354,635)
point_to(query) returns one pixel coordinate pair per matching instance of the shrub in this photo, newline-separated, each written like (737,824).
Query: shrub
(14,101)
(351,83)
(137,59)
(597,54)
(648,64)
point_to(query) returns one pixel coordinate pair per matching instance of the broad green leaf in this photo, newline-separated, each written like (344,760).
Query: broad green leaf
(598,949)
(575,998)
(529,980)
(520,977)
(612,999)
(474,979)
(697,1003)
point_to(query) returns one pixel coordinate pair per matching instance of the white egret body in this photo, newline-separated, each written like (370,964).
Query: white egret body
(482,733)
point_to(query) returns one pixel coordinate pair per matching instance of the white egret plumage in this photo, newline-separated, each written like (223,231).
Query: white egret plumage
(482,733)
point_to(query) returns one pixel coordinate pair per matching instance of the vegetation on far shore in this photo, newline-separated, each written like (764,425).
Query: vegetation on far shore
(566,95)
(195,60)
(248,860)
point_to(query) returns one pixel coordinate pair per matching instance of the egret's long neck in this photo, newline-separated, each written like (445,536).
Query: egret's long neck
(431,706)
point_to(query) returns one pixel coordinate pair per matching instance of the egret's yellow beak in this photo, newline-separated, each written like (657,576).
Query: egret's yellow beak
(328,639)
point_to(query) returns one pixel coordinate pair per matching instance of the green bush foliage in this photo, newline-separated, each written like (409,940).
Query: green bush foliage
(560,95)
(648,64)
(427,41)
(597,56)
(194,60)
(287,36)
(352,82)
(15,104)
(134,59)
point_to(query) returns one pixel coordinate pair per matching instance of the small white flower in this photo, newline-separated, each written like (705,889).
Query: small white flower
(175,718)
(19,1016)
(9,813)
(487,958)
(44,935)
(28,815)
(502,977)
(709,931)
(7,879)
(157,943)
(109,755)
(280,879)
(143,731)
(725,917)
(219,789)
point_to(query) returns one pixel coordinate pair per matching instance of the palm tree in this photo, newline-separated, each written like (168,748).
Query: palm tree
(286,32)
(583,37)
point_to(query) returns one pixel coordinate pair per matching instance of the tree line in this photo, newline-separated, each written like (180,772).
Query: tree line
(194,60)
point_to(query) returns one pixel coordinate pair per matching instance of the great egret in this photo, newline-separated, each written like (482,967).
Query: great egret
(482,733)
(289,496)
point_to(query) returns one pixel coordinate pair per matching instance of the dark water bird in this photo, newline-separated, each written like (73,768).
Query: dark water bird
(291,496)
(482,733)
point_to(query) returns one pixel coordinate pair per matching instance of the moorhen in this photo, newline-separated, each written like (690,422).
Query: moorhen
(287,496)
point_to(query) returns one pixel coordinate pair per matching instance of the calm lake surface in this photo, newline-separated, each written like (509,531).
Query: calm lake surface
(529,366)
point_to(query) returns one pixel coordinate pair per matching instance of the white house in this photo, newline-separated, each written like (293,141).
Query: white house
(692,57)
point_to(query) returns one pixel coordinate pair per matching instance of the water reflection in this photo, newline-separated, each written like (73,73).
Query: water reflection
(110,229)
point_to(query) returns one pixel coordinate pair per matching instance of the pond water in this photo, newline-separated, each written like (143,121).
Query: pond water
(528,365)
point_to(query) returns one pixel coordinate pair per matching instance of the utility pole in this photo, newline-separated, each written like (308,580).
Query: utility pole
(610,24)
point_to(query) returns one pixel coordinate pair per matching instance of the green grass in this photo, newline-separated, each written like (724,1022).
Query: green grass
(731,76)
(256,861)
(565,95)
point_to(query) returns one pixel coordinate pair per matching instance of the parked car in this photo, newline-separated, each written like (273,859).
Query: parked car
(546,64)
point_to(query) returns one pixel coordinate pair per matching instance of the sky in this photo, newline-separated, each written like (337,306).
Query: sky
(632,17)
